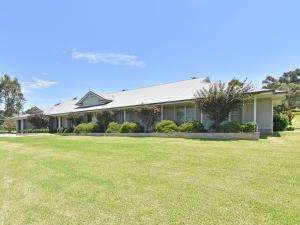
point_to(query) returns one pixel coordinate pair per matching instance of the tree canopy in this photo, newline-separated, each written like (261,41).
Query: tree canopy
(39,120)
(290,82)
(75,118)
(220,99)
(148,114)
(105,117)
(11,95)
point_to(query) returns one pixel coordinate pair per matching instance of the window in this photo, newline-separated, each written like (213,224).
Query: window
(89,118)
(236,116)
(168,112)
(180,114)
(119,116)
(190,113)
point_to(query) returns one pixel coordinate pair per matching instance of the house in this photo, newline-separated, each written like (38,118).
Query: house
(175,99)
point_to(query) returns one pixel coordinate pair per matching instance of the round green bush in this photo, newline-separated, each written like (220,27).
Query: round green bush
(69,130)
(280,122)
(249,127)
(191,126)
(35,130)
(60,130)
(130,127)
(80,128)
(230,127)
(290,128)
(166,126)
(113,127)
(93,127)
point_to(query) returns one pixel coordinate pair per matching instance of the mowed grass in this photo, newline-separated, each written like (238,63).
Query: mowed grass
(296,120)
(114,180)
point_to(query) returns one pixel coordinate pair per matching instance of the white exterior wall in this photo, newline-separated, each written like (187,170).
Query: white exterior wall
(261,114)
(90,101)
(248,113)
(207,123)
(264,115)
(27,125)
(132,117)
(186,112)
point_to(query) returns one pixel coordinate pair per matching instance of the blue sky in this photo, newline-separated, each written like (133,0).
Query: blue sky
(62,49)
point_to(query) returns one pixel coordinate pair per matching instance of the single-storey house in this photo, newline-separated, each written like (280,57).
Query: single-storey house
(175,99)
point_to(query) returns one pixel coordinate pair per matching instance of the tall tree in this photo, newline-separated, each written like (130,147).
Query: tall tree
(105,117)
(290,77)
(148,114)
(11,95)
(271,83)
(9,124)
(219,99)
(75,118)
(289,82)
(39,120)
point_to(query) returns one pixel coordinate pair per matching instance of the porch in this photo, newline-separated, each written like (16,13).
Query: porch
(259,111)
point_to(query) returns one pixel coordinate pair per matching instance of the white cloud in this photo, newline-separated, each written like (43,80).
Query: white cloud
(39,84)
(28,86)
(110,58)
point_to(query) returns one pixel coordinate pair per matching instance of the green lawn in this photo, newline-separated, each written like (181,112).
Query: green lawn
(114,180)
(296,120)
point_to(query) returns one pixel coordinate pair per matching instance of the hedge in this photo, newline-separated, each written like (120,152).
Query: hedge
(91,127)
(191,126)
(130,127)
(166,126)
(280,122)
(29,131)
(230,127)
(236,127)
(249,127)
(113,127)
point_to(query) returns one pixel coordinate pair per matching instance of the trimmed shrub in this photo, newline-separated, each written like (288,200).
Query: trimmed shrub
(30,131)
(81,128)
(130,127)
(290,128)
(91,127)
(9,124)
(280,122)
(230,127)
(249,127)
(113,127)
(192,126)
(148,114)
(69,130)
(166,126)
(60,130)
(39,120)
(43,130)
(104,118)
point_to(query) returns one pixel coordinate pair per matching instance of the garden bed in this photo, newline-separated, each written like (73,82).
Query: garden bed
(220,136)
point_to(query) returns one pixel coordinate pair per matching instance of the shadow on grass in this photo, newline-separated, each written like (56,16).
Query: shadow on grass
(274,134)
(195,139)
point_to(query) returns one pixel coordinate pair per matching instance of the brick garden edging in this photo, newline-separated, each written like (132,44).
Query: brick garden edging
(219,136)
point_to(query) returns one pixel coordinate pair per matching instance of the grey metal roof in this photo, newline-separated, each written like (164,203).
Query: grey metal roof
(163,93)
(170,92)
(63,107)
